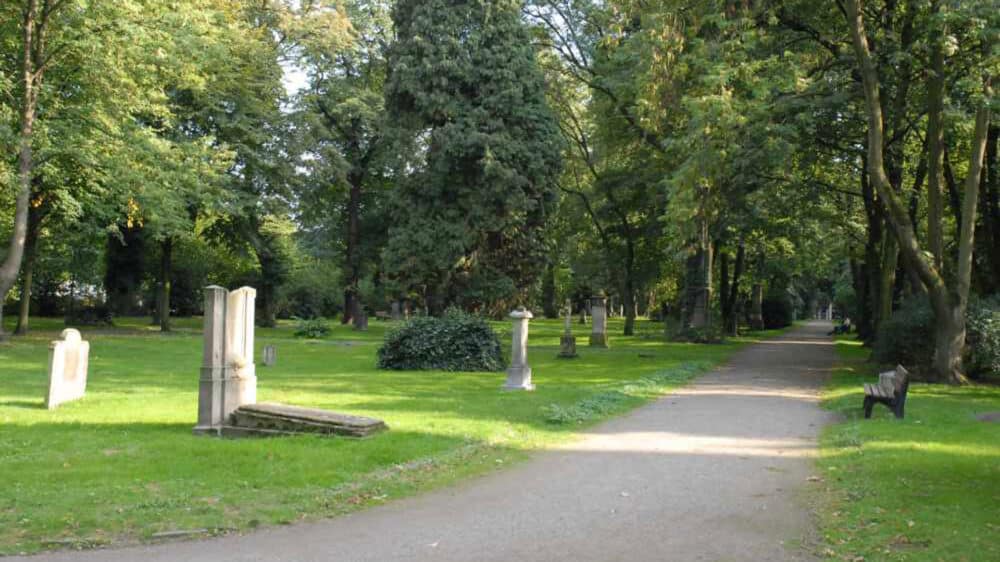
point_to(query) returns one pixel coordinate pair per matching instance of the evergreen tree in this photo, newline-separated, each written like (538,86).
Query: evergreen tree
(468,98)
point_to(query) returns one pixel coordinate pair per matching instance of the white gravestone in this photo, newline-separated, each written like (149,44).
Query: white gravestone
(228,375)
(519,373)
(68,361)
(599,322)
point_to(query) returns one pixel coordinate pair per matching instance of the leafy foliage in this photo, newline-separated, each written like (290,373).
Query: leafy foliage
(313,328)
(477,132)
(908,337)
(454,342)
(778,310)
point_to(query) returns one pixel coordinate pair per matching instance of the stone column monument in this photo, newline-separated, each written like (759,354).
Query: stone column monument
(519,373)
(599,330)
(228,375)
(567,342)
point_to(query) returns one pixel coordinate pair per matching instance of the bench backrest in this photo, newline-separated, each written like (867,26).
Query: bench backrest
(901,382)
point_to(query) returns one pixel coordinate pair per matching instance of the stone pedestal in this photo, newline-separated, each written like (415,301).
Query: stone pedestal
(68,361)
(228,375)
(519,373)
(599,329)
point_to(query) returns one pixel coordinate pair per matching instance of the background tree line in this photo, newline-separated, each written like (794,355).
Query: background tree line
(713,164)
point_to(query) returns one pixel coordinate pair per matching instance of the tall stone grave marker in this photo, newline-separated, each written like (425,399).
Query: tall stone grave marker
(228,375)
(68,361)
(270,356)
(519,373)
(567,342)
(395,311)
(599,330)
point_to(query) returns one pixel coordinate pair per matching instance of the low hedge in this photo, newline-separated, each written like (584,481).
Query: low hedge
(454,342)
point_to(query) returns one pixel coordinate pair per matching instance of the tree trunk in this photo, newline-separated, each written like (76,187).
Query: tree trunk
(31,77)
(948,303)
(352,258)
(757,307)
(935,147)
(989,275)
(163,285)
(27,272)
(549,306)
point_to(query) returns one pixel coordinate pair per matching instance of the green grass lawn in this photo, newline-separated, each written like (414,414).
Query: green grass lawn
(122,464)
(926,488)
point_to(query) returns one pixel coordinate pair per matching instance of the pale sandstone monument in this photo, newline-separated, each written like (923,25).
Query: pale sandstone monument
(567,342)
(228,377)
(599,330)
(227,390)
(68,362)
(519,373)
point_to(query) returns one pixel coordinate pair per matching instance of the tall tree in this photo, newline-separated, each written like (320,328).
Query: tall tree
(465,89)
(948,299)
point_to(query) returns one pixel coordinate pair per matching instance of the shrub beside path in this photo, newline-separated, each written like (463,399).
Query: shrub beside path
(716,471)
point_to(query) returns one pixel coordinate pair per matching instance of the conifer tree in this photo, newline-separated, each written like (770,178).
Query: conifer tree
(468,98)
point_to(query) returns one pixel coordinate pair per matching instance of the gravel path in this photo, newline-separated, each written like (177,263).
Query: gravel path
(714,472)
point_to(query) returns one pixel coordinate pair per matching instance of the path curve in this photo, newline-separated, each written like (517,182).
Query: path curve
(714,472)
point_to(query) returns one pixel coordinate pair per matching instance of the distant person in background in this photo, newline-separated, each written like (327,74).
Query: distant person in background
(843,328)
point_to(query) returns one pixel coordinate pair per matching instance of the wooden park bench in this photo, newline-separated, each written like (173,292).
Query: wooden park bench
(381,315)
(890,390)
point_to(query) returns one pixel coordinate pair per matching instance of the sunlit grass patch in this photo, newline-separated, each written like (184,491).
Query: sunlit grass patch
(923,488)
(122,463)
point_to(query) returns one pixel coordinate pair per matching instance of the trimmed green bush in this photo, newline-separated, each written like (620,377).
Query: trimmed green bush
(315,328)
(454,342)
(908,337)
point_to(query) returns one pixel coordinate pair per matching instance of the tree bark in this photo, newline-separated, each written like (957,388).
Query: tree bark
(35,216)
(163,285)
(935,147)
(351,255)
(549,306)
(33,45)
(948,303)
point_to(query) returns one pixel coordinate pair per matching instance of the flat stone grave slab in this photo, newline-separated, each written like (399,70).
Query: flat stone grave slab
(279,419)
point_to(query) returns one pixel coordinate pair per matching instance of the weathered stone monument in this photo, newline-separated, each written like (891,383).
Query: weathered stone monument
(567,342)
(228,376)
(227,391)
(270,356)
(396,311)
(519,373)
(68,362)
(599,329)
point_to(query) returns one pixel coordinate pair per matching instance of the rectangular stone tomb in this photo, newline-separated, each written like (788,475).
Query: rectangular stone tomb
(279,419)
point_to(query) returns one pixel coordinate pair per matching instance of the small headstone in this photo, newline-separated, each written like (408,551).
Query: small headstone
(519,373)
(395,312)
(270,356)
(599,331)
(68,360)
(567,342)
